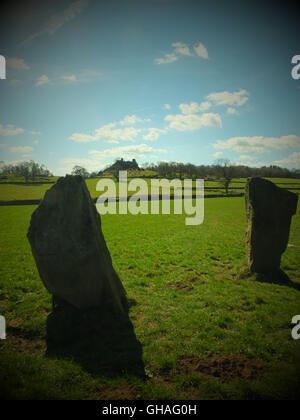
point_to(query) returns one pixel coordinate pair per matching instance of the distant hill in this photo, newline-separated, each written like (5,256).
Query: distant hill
(122,165)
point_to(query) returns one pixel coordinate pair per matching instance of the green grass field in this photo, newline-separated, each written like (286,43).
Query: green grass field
(195,309)
(31,191)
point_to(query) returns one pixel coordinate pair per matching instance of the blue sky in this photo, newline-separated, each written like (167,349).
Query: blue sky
(89,81)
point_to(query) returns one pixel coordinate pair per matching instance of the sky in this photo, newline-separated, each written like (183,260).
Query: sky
(90,81)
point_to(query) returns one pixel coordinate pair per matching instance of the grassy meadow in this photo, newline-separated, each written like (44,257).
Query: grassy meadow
(20,191)
(208,329)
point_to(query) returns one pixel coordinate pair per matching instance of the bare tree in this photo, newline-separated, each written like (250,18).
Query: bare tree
(225,172)
(34,169)
(23,169)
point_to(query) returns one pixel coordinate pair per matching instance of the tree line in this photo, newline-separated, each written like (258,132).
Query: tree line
(27,170)
(223,171)
(223,168)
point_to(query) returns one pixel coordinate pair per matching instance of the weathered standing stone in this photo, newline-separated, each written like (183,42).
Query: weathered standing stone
(70,251)
(269,214)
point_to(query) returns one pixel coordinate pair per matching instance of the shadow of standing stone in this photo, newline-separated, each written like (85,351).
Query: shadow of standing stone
(101,342)
(90,317)
(269,214)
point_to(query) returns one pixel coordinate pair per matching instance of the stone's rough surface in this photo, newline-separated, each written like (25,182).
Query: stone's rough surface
(70,251)
(269,214)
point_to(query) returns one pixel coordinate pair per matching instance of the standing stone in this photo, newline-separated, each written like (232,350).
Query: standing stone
(269,214)
(70,251)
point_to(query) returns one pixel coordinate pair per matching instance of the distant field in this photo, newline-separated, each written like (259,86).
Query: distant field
(22,191)
(12,192)
(194,304)
(11,179)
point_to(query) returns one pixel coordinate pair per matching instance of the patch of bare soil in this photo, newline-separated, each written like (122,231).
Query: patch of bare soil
(192,280)
(24,341)
(121,392)
(22,345)
(180,285)
(221,366)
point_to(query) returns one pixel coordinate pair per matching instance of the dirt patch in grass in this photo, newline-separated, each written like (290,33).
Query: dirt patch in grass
(121,392)
(193,280)
(223,367)
(24,341)
(15,331)
(22,345)
(180,285)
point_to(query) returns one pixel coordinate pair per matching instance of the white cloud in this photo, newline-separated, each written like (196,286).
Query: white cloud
(194,107)
(181,48)
(108,132)
(292,161)
(232,111)
(131,120)
(192,122)
(127,152)
(98,159)
(35,133)
(10,130)
(58,20)
(11,162)
(43,80)
(21,149)
(218,155)
(258,144)
(92,165)
(113,141)
(246,158)
(167,107)
(17,64)
(166,59)
(204,106)
(153,134)
(83,138)
(70,78)
(201,51)
(191,108)
(252,162)
(229,98)
(35,142)
(83,76)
